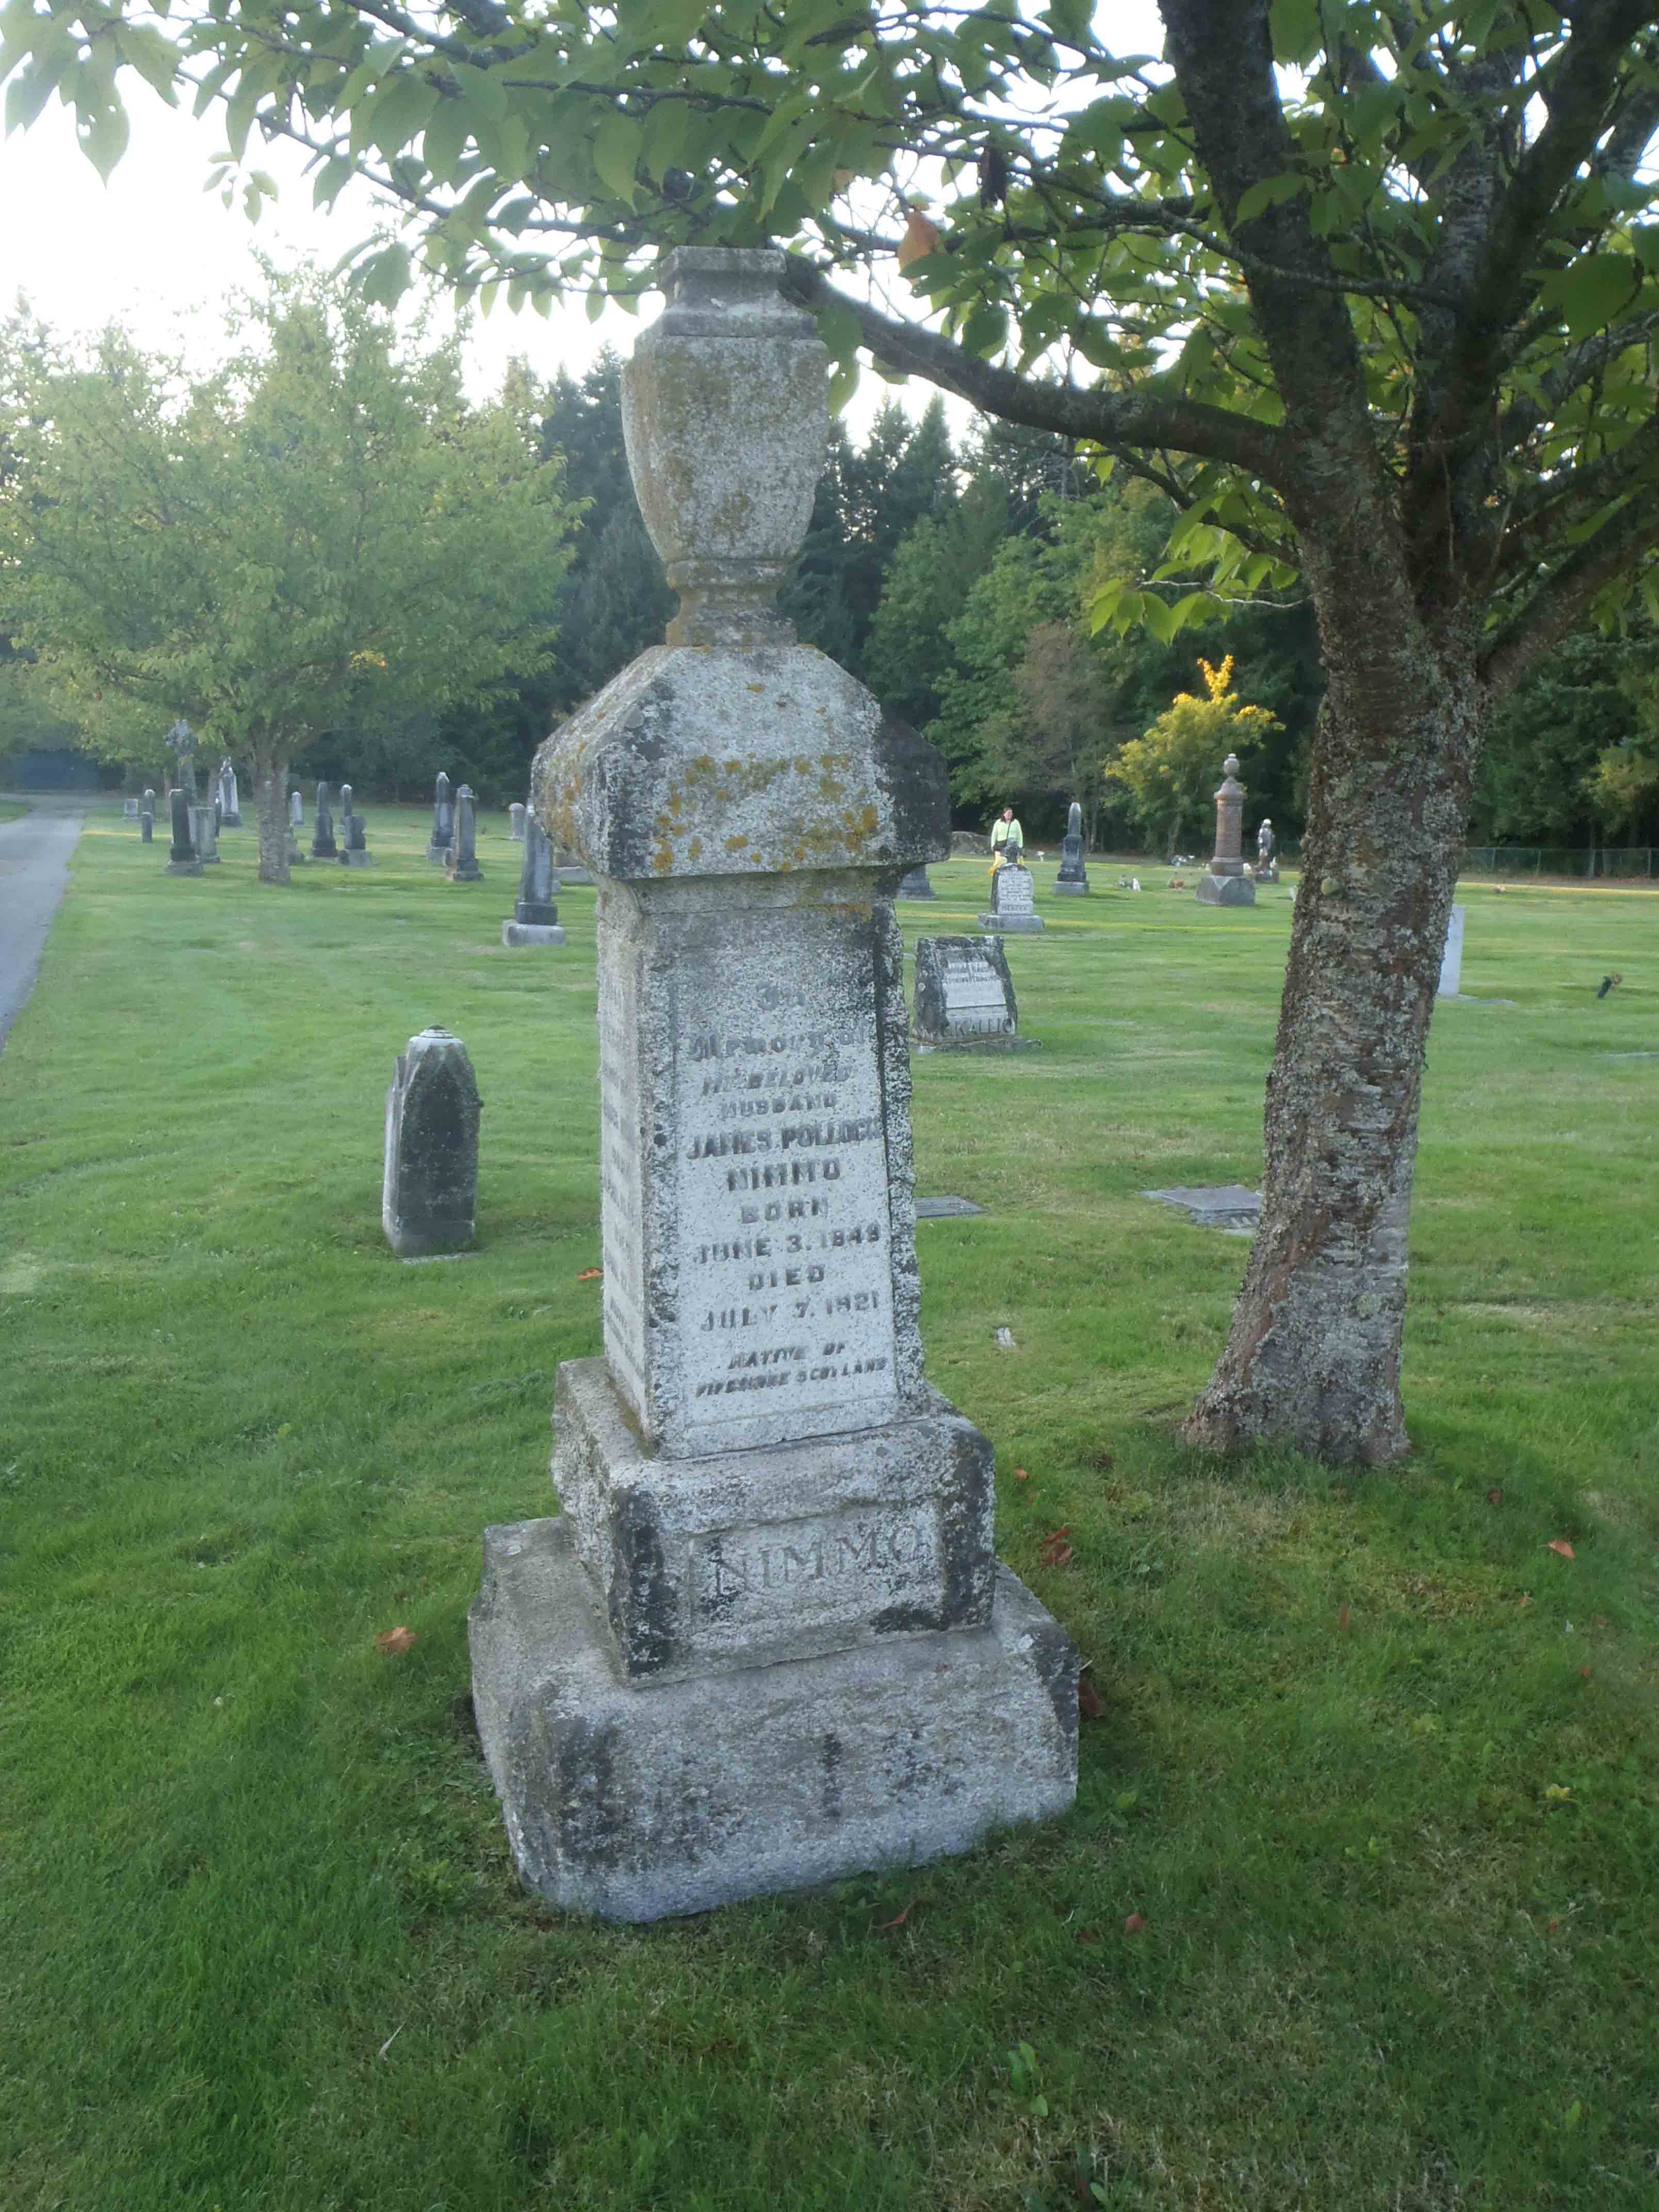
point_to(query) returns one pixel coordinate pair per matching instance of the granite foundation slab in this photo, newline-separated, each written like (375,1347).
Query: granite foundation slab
(349,859)
(1216,1206)
(1069,891)
(743,1558)
(1225,891)
(638,1803)
(524,933)
(946,1209)
(1011,925)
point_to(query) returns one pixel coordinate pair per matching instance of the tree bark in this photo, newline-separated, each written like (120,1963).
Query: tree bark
(1313,1358)
(272,775)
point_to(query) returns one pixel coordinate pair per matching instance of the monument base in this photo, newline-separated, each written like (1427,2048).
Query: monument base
(568,876)
(230,821)
(325,851)
(469,875)
(441,853)
(916,885)
(1013,925)
(1063,889)
(531,933)
(636,1803)
(183,868)
(356,859)
(1225,891)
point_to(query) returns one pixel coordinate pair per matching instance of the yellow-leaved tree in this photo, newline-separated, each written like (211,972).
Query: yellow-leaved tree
(1170,773)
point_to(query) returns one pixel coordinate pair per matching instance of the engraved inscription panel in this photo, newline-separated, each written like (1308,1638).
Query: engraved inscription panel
(856,1561)
(786,1302)
(1014,892)
(620,1228)
(975,1002)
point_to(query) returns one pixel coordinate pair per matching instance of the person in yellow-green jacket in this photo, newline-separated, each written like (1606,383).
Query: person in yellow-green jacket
(1007,838)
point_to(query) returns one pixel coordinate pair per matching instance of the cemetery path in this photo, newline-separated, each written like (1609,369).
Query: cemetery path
(34,858)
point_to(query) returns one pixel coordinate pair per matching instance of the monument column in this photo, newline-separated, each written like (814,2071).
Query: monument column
(767,1641)
(1225,882)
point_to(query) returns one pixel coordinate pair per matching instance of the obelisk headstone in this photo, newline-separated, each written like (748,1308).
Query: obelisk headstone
(323,846)
(443,823)
(766,1642)
(465,869)
(229,815)
(1225,882)
(1072,881)
(534,916)
(182,859)
(428,1193)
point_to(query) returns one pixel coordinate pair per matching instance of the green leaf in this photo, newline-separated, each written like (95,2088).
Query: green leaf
(617,147)
(384,278)
(1269,192)
(400,113)
(1595,291)
(145,49)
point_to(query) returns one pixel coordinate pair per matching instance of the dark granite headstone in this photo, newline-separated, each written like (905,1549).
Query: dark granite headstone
(147,818)
(1072,881)
(1013,901)
(323,846)
(183,860)
(353,830)
(964,993)
(429,1191)
(916,885)
(534,916)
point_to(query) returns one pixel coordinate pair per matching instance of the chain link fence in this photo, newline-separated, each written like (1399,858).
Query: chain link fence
(1607,861)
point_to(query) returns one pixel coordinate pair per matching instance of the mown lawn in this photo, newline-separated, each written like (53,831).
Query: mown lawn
(1378,1769)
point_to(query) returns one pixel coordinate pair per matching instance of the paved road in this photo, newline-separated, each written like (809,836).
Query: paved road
(34,858)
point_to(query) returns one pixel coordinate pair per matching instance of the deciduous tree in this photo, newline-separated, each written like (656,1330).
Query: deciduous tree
(1367,286)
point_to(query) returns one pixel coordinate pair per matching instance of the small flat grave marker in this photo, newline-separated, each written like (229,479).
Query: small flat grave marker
(946,1209)
(1227,1205)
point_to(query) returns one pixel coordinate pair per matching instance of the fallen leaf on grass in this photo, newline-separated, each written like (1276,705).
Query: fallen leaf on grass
(1022,1474)
(1344,1618)
(394,1640)
(1494,1495)
(1053,1550)
(1133,1923)
(1552,1927)
(891,1927)
(1560,1544)
(1598,1620)
(1087,1935)
(1526,1600)
(1585,1673)
(1090,1703)
(590,1274)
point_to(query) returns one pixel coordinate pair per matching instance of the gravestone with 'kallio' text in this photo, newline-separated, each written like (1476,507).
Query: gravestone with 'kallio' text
(767,1641)
(964,995)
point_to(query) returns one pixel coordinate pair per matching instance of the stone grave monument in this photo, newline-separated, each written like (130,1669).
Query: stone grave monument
(323,846)
(767,1641)
(1013,902)
(428,1195)
(354,834)
(465,857)
(916,885)
(964,995)
(229,815)
(534,916)
(443,823)
(180,741)
(1072,881)
(515,815)
(182,858)
(147,818)
(130,810)
(1451,960)
(204,831)
(1267,866)
(1225,882)
(296,810)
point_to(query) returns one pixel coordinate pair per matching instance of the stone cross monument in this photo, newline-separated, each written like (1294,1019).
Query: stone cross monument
(767,1641)
(1225,882)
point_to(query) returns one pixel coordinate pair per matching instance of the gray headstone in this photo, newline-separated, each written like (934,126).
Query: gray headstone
(1225,882)
(766,1644)
(443,823)
(182,859)
(296,810)
(204,829)
(964,995)
(515,815)
(1013,901)
(1451,959)
(130,810)
(354,833)
(1266,845)
(428,1193)
(916,885)
(229,809)
(534,916)
(465,868)
(323,846)
(1072,881)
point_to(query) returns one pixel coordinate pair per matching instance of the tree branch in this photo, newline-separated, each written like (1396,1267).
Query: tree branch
(1560,602)
(1103,417)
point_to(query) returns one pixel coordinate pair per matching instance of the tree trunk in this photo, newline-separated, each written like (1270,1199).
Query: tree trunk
(272,775)
(1313,1358)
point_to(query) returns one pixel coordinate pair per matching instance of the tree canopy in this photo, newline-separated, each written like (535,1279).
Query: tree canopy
(321,534)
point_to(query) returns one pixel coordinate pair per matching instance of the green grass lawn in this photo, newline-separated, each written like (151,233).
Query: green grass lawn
(1378,1768)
